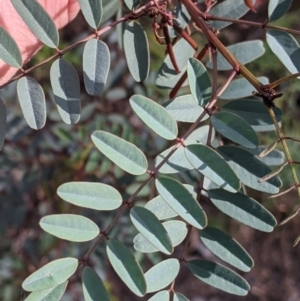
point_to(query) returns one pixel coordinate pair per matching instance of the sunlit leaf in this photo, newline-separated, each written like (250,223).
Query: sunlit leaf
(160,296)
(249,169)
(51,274)
(209,163)
(181,18)
(92,11)
(161,275)
(277,8)
(235,128)
(226,248)
(95,196)
(2,123)
(70,227)
(179,297)
(93,287)
(110,7)
(38,20)
(244,52)
(177,231)
(132,4)
(136,51)
(155,116)
(181,200)
(160,208)
(9,50)
(32,101)
(124,154)
(95,65)
(219,276)
(151,228)
(274,158)
(66,89)
(243,208)
(126,267)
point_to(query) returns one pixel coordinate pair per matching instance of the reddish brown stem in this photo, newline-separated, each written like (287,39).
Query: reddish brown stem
(170,48)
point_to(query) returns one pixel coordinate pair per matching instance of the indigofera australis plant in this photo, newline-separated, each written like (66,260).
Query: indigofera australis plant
(221,171)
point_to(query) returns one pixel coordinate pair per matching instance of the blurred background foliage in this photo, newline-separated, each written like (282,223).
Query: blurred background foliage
(35,163)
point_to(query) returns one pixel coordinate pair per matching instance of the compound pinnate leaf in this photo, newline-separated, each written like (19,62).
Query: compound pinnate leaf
(162,274)
(151,228)
(92,11)
(132,4)
(244,52)
(160,296)
(2,123)
(249,169)
(277,8)
(95,196)
(254,112)
(241,88)
(124,154)
(209,163)
(32,101)
(126,266)
(182,201)
(243,208)
(70,227)
(38,20)
(228,9)
(51,275)
(160,208)
(177,231)
(9,50)
(155,116)
(199,82)
(226,248)
(183,108)
(93,287)
(235,129)
(95,65)
(136,51)
(66,90)
(219,276)
(286,48)
(179,297)
(51,294)
(167,76)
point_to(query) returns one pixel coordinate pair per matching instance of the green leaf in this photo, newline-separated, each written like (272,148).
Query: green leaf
(241,88)
(32,101)
(151,228)
(66,90)
(243,208)
(199,82)
(70,227)
(2,123)
(219,276)
(277,8)
(51,274)
(244,52)
(110,7)
(126,266)
(93,287)
(160,296)
(183,108)
(181,17)
(51,294)
(95,196)
(249,169)
(228,9)
(132,4)
(209,163)
(92,11)
(38,20)
(9,50)
(167,76)
(160,208)
(177,231)
(254,112)
(226,248)
(124,154)
(235,128)
(181,201)
(179,297)
(136,51)
(95,65)
(162,274)
(155,116)
(286,48)
(274,158)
